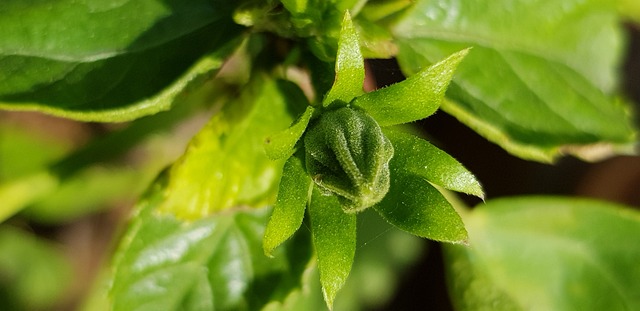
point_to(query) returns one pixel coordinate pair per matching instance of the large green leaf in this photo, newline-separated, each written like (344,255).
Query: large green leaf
(540,78)
(107,61)
(547,253)
(214,263)
(225,164)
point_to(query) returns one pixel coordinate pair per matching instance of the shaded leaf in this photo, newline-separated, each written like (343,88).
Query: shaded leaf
(540,79)
(420,157)
(349,68)
(415,206)
(334,238)
(549,253)
(413,99)
(291,202)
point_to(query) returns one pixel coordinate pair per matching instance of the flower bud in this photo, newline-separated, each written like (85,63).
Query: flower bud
(347,155)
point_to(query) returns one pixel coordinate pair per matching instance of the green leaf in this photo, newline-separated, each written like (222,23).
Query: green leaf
(548,253)
(214,263)
(413,99)
(418,156)
(334,238)
(541,77)
(35,273)
(415,206)
(225,164)
(349,68)
(291,203)
(283,143)
(99,62)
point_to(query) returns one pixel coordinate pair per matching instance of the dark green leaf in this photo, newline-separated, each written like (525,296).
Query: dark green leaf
(549,253)
(349,69)
(415,206)
(413,99)
(540,79)
(419,157)
(334,237)
(288,212)
(107,62)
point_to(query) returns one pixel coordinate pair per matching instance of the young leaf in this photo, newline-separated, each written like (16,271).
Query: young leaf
(538,83)
(334,237)
(349,69)
(548,253)
(415,206)
(288,212)
(419,157)
(282,144)
(413,99)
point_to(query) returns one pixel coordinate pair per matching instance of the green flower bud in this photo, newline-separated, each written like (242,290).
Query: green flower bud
(347,155)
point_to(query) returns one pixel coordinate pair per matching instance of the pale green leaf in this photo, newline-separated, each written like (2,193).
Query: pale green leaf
(541,79)
(548,253)
(349,68)
(334,238)
(419,157)
(291,202)
(413,99)
(283,143)
(225,164)
(414,205)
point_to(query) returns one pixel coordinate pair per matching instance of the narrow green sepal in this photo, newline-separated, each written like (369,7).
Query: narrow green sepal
(420,157)
(282,144)
(349,68)
(291,202)
(417,207)
(415,98)
(334,237)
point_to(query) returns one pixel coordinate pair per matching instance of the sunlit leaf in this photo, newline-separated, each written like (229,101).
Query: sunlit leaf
(541,78)
(100,61)
(349,66)
(225,164)
(413,99)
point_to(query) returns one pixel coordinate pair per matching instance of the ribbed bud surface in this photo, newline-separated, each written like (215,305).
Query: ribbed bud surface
(348,155)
